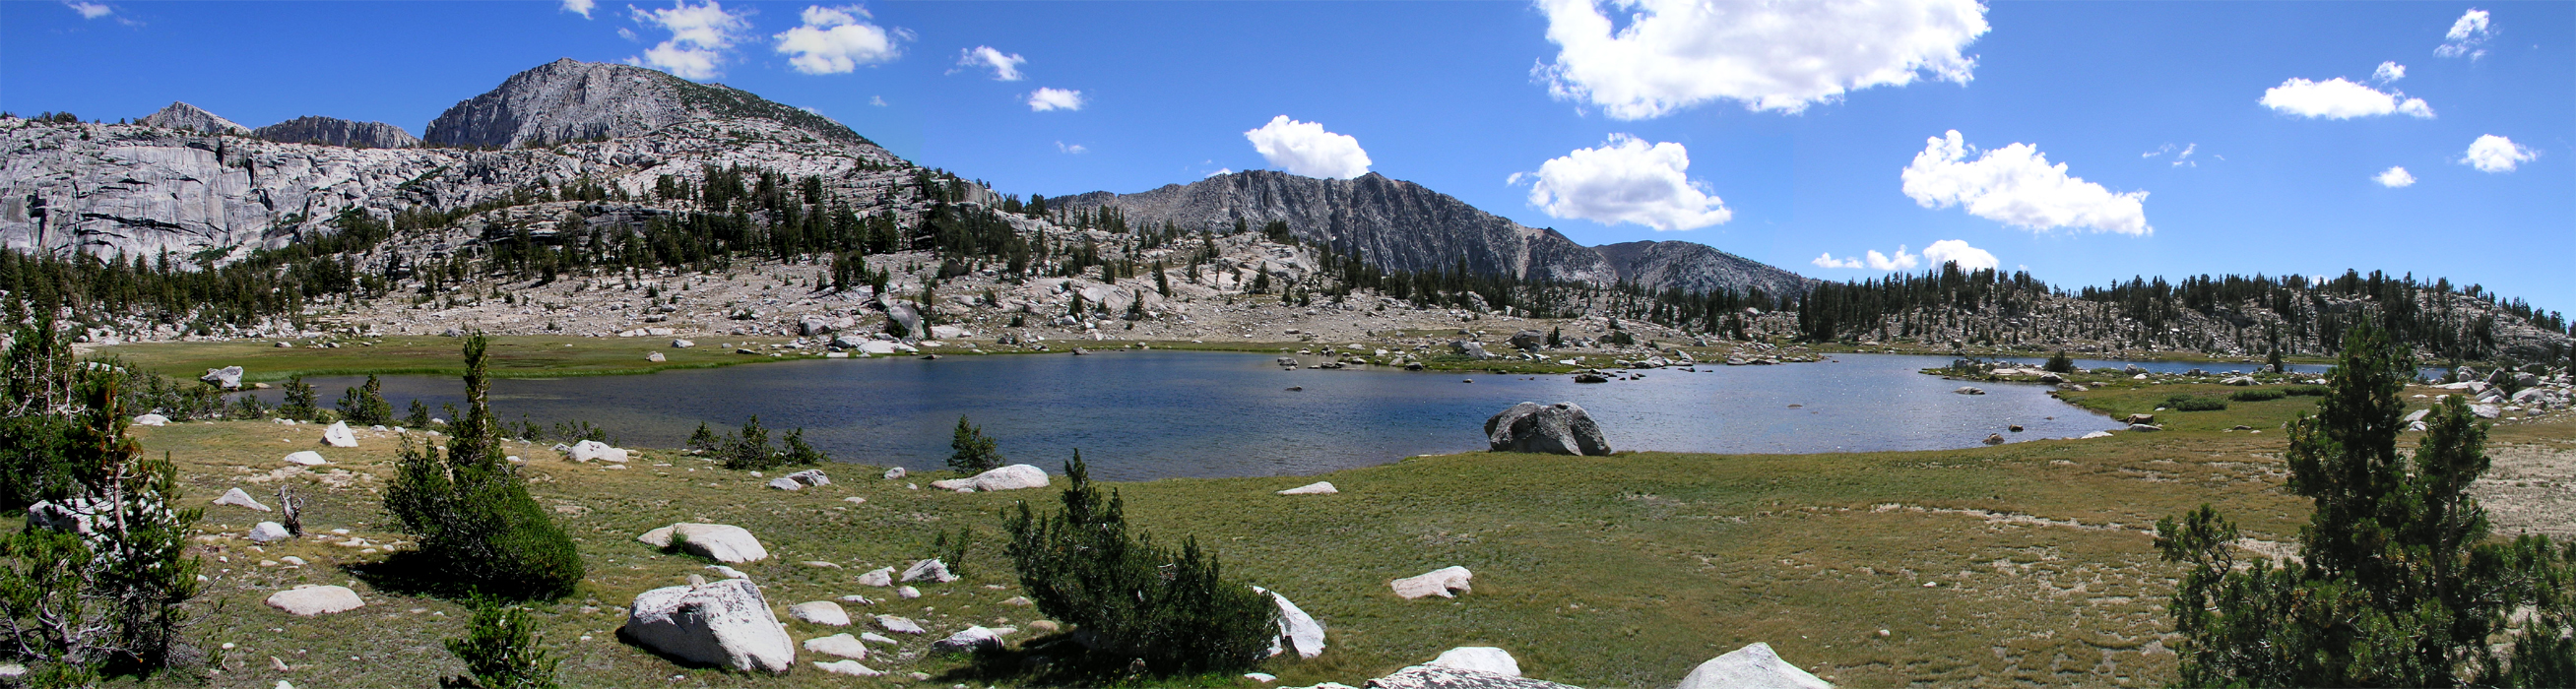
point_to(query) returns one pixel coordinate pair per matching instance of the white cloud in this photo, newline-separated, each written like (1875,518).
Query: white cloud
(580,7)
(1827,260)
(2491,153)
(2015,185)
(878,101)
(628,34)
(90,10)
(836,40)
(2184,159)
(1005,66)
(700,35)
(1957,251)
(1784,56)
(1304,148)
(1627,180)
(1075,149)
(2388,72)
(1219,171)
(1045,99)
(2337,99)
(2466,34)
(2393,178)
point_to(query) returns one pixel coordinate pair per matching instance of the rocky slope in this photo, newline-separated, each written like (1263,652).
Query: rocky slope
(1400,225)
(569,100)
(337,132)
(179,115)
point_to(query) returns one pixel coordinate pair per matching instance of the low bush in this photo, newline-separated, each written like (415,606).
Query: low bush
(2199,404)
(2258,395)
(2060,363)
(500,651)
(2305,391)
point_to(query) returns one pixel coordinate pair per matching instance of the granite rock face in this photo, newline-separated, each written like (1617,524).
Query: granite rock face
(334,131)
(179,115)
(569,100)
(1400,225)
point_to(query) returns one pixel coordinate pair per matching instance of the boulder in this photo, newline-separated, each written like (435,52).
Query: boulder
(2140,418)
(682,344)
(894,473)
(2145,428)
(238,498)
(1480,659)
(970,640)
(1446,582)
(1752,667)
(306,458)
(810,477)
(1560,428)
(655,357)
(1590,378)
(848,667)
(308,600)
(1297,629)
(785,483)
(2051,378)
(1529,340)
(269,531)
(877,347)
(820,612)
(2239,381)
(1969,390)
(72,516)
(1316,488)
(228,378)
(814,325)
(882,576)
(1996,438)
(1013,477)
(907,592)
(949,332)
(2095,434)
(725,623)
(588,450)
(720,542)
(152,420)
(2417,415)
(1470,349)
(931,570)
(899,625)
(338,435)
(903,313)
(2486,411)
(842,645)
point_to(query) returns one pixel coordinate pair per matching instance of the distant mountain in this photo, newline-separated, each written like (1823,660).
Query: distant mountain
(570,100)
(337,132)
(179,115)
(1400,225)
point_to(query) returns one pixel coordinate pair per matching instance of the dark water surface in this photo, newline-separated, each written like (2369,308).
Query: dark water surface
(1146,415)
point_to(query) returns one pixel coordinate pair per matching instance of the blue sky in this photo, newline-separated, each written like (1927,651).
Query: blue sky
(1761,132)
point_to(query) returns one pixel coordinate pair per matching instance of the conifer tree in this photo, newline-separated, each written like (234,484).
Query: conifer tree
(299,404)
(970,451)
(500,651)
(470,511)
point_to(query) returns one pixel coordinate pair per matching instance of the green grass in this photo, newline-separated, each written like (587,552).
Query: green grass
(513,356)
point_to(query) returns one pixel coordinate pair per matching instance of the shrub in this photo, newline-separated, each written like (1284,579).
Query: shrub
(705,441)
(2305,391)
(749,449)
(366,405)
(971,451)
(2198,404)
(418,416)
(2060,363)
(2258,395)
(500,651)
(299,404)
(470,512)
(1174,612)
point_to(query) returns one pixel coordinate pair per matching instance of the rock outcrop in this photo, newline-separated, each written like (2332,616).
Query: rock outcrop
(1560,428)
(569,100)
(333,131)
(1695,268)
(1752,667)
(180,115)
(719,542)
(725,623)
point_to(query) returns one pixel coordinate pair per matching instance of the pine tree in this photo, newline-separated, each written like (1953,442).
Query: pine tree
(299,404)
(470,511)
(749,450)
(500,651)
(970,451)
(366,404)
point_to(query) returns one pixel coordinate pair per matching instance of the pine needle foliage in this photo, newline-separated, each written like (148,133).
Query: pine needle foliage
(470,512)
(970,451)
(500,651)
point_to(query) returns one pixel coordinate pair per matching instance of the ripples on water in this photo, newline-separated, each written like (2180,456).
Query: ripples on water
(1145,415)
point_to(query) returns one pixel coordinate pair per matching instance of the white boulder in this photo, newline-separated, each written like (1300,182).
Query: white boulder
(882,576)
(1480,659)
(309,600)
(590,450)
(269,531)
(238,498)
(900,625)
(894,473)
(1296,628)
(1445,582)
(842,645)
(969,640)
(1752,667)
(338,435)
(931,570)
(721,542)
(682,344)
(1013,477)
(820,612)
(810,477)
(848,667)
(723,623)
(1316,488)
(152,420)
(306,458)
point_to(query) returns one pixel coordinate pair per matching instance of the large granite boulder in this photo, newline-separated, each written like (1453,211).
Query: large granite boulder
(1465,667)
(720,542)
(1480,659)
(1470,349)
(1529,340)
(1560,428)
(308,600)
(1013,477)
(1297,629)
(1752,667)
(1445,582)
(725,623)
(338,435)
(228,378)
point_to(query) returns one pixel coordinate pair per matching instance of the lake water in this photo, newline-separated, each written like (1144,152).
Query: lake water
(1153,414)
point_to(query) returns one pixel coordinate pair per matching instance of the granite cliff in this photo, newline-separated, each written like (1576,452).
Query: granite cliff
(569,100)
(337,132)
(179,115)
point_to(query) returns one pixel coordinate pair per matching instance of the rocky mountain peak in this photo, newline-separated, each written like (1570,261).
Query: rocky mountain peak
(570,100)
(180,115)
(337,132)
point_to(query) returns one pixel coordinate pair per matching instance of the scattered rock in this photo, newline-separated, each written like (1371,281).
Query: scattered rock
(907,592)
(1529,340)
(894,473)
(2486,411)
(682,344)
(819,564)
(931,570)
(269,531)
(1590,378)
(1446,582)
(969,640)
(238,498)
(725,623)
(721,542)
(810,477)
(1013,477)
(883,576)
(785,483)
(1316,488)
(729,572)
(655,357)
(2145,428)
(152,420)
(1752,667)
(875,638)
(848,667)
(1480,659)
(2140,418)
(228,378)
(1470,349)
(308,600)
(2095,434)
(338,435)
(589,450)
(1995,439)
(899,625)
(1969,390)
(1560,428)
(1297,629)
(306,458)
(821,612)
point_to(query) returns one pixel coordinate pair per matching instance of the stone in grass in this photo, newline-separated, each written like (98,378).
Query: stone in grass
(1468,667)
(810,477)
(269,531)
(882,576)
(152,420)
(338,435)
(1013,477)
(1480,659)
(907,593)
(970,640)
(724,623)
(820,612)
(842,645)
(308,600)
(1316,488)
(1297,628)
(931,570)
(848,667)
(1445,582)
(1754,666)
(900,625)
(306,458)
(238,498)
(721,542)
(729,572)
(875,638)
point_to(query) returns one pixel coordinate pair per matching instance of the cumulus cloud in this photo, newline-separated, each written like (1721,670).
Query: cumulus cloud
(836,40)
(1304,148)
(1045,99)
(1874,261)
(2017,186)
(878,101)
(700,35)
(1075,149)
(1627,180)
(580,7)
(1219,171)
(2491,153)
(1957,251)
(2388,72)
(1784,56)
(90,10)
(2393,177)
(2337,99)
(2467,32)
(1005,66)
